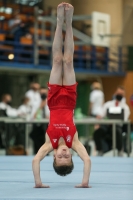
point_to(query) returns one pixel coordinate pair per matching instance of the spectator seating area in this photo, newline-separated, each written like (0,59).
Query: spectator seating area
(17,47)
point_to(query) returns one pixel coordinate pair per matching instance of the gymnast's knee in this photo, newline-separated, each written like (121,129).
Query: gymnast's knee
(57,59)
(68,61)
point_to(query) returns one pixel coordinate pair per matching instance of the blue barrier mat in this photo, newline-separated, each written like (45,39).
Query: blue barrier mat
(111,179)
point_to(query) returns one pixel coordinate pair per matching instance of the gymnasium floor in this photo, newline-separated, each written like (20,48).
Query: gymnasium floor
(111,179)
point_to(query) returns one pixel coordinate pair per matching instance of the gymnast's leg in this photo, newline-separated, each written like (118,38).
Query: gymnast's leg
(68,70)
(56,72)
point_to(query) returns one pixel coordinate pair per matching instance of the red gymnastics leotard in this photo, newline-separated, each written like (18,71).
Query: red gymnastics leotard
(61,102)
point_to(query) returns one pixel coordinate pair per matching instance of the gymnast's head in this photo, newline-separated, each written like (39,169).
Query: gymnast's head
(63,163)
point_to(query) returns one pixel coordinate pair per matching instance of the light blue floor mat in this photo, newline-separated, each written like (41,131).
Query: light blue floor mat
(111,179)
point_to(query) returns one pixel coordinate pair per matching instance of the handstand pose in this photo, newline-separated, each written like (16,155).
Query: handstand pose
(61,133)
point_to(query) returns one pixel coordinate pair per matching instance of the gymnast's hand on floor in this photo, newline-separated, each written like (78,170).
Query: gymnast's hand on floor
(41,186)
(83,186)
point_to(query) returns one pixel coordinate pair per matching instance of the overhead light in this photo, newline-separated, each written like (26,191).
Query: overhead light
(28,2)
(8,10)
(11,56)
(31,3)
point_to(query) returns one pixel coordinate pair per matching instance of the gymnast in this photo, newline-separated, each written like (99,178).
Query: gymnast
(61,134)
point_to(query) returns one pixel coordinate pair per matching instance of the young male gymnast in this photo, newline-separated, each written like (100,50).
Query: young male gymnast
(61,133)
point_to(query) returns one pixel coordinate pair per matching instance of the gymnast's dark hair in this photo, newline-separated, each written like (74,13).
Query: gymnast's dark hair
(63,170)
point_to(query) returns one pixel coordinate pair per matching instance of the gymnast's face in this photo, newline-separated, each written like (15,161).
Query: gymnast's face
(62,155)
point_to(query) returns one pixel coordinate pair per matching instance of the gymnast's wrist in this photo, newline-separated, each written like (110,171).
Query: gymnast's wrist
(85,183)
(38,184)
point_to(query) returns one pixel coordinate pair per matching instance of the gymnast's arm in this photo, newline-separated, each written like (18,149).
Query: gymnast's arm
(43,151)
(80,149)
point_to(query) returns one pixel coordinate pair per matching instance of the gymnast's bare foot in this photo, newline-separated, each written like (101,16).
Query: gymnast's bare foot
(68,13)
(60,13)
